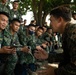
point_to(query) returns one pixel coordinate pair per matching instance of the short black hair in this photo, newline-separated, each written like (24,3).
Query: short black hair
(4,13)
(15,19)
(49,28)
(63,12)
(40,28)
(31,25)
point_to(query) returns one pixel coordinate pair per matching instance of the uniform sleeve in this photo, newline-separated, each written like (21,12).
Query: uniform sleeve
(71,40)
(69,69)
(69,46)
(6,38)
(54,57)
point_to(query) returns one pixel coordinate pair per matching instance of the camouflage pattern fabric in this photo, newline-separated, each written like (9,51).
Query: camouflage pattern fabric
(15,14)
(1,38)
(22,35)
(68,67)
(12,59)
(4,8)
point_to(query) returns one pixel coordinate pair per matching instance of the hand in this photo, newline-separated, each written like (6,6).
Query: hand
(7,50)
(25,49)
(48,71)
(38,47)
(44,45)
(41,54)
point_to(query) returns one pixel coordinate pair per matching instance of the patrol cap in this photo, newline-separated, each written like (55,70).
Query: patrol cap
(4,13)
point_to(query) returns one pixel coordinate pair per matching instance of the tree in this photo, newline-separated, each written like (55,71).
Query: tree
(41,8)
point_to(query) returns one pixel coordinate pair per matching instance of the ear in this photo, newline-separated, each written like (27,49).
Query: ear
(60,20)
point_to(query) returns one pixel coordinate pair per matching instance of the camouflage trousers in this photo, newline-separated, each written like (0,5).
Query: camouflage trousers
(13,59)
(10,64)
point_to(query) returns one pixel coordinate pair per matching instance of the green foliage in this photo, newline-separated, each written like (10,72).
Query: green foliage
(41,8)
(74,1)
(24,6)
(30,5)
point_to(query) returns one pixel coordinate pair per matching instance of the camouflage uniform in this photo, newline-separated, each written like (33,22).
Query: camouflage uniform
(1,38)
(22,34)
(1,58)
(49,38)
(5,8)
(23,41)
(15,14)
(31,44)
(34,41)
(67,66)
(31,41)
(40,41)
(23,28)
(10,40)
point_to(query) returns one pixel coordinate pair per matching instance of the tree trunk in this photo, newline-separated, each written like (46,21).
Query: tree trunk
(44,18)
(34,8)
(40,12)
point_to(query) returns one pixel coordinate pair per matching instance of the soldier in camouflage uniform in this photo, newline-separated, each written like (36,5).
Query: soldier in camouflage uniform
(4,6)
(22,33)
(48,36)
(11,39)
(60,21)
(15,13)
(39,37)
(6,49)
(23,27)
(26,39)
(35,40)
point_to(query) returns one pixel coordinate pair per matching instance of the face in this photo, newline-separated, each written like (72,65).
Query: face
(15,5)
(39,32)
(50,31)
(55,23)
(15,26)
(34,21)
(4,1)
(31,28)
(3,22)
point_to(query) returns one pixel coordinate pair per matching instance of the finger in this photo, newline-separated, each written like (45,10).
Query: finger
(36,56)
(13,51)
